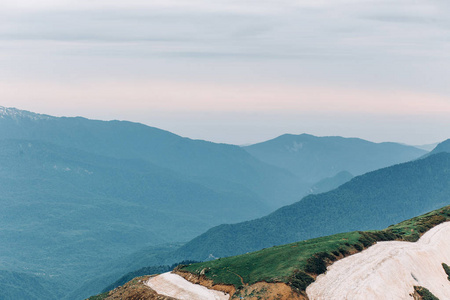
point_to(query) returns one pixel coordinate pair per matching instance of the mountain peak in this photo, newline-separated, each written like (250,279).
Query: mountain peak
(291,136)
(14,113)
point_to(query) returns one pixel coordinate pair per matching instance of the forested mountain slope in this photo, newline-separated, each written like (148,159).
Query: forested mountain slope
(16,285)
(66,212)
(370,201)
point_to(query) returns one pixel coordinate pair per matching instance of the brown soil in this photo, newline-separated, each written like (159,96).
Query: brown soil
(268,291)
(136,290)
(416,296)
(202,280)
(257,291)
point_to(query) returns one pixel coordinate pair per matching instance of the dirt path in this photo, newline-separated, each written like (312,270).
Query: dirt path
(175,286)
(389,270)
(240,277)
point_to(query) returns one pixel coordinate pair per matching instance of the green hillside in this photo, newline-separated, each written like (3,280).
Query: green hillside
(296,264)
(370,201)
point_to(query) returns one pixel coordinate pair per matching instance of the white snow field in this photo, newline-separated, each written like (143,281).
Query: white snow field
(173,285)
(389,270)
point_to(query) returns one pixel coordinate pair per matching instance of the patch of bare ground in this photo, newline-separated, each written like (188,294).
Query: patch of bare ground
(136,290)
(257,291)
(416,296)
(202,280)
(268,291)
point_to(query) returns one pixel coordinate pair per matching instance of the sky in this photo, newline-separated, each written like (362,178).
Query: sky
(235,71)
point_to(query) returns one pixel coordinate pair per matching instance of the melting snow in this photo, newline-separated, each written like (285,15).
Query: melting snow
(389,270)
(175,286)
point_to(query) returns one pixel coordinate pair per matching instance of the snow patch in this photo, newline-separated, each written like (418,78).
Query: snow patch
(173,285)
(15,114)
(389,270)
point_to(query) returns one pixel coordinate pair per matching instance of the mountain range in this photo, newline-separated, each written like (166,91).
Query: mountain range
(217,166)
(313,158)
(80,196)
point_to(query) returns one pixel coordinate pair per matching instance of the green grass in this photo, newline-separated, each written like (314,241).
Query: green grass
(272,264)
(447,270)
(425,293)
(296,264)
(412,229)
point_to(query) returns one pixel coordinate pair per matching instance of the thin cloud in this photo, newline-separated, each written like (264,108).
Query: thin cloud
(268,28)
(216,56)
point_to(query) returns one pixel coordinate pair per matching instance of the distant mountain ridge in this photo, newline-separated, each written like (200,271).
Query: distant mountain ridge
(218,166)
(278,175)
(313,158)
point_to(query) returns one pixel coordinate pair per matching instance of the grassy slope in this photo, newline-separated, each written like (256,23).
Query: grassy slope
(296,264)
(271,264)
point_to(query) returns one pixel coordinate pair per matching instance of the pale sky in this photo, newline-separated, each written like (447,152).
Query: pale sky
(235,71)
